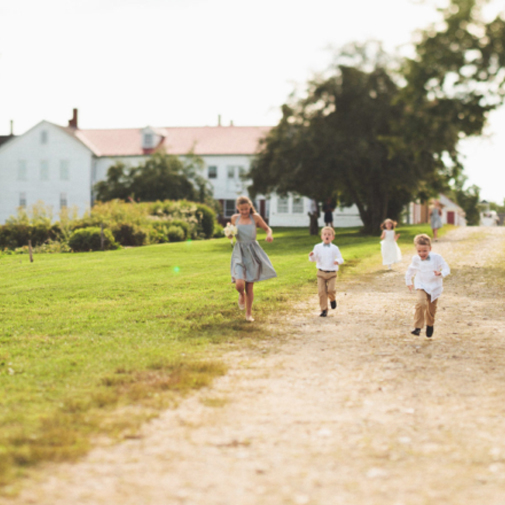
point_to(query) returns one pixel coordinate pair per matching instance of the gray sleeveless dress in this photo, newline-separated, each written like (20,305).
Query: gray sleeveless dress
(248,260)
(435,219)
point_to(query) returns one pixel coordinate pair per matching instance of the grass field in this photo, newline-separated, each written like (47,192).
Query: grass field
(88,338)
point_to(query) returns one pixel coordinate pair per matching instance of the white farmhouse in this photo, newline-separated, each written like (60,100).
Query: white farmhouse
(46,163)
(60,165)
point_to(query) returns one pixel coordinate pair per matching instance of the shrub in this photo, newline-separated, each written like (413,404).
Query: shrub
(14,235)
(51,247)
(129,234)
(206,219)
(157,236)
(89,239)
(186,227)
(218,231)
(175,234)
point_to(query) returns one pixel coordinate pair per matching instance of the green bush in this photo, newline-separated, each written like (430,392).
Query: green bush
(175,234)
(89,239)
(131,224)
(157,236)
(14,235)
(206,219)
(130,234)
(218,231)
(186,227)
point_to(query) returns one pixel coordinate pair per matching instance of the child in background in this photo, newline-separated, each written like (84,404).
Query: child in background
(429,269)
(327,257)
(389,248)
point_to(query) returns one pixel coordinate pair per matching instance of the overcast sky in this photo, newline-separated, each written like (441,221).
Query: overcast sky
(132,63)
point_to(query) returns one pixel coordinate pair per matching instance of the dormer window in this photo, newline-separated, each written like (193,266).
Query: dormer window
(150,137)
(148,140)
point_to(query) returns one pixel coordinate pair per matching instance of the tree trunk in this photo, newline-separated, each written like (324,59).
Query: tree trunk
(314,227)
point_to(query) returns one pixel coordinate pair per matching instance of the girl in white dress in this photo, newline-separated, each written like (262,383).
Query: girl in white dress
(389,248)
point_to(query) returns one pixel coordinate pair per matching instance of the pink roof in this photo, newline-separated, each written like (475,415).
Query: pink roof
(177,140)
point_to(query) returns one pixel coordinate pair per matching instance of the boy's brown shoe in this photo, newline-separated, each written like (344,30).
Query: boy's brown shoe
(324,313)
(416,332)
(429,331)
(333,304)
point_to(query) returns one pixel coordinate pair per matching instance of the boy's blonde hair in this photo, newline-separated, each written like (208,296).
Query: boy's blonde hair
(386,221)
(328,228)
(244,199)
(422,239)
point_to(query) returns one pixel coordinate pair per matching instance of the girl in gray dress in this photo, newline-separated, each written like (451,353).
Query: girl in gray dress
(249,263)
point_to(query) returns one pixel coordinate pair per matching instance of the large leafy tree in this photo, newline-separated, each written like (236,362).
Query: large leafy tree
(468,199)
(376,135)
(160,177)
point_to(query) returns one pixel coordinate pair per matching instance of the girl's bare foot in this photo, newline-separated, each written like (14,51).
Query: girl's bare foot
(249,318)
(241,302)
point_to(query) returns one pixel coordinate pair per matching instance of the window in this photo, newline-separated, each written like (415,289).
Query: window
(282,206)
(148,140)
(297,205)
(22,199)
(231,172)
(241,171)
(212,172)
(44,170)
(43,137)
(63,200)
(229,208)
(64,171)
(22,170)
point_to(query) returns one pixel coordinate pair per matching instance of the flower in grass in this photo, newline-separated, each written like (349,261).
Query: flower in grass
(230,231)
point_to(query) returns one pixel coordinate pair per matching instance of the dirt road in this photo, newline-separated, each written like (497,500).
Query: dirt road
(351,409)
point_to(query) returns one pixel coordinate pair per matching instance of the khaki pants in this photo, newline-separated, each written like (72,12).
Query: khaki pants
(425,308)
(326,287)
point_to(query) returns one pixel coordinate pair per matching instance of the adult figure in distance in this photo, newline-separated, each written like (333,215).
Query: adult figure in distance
(436,218)
(328,209)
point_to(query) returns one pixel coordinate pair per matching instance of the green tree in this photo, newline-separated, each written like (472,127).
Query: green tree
(160,177)
(377,136)
(468,199)
(497,207)
(348,139)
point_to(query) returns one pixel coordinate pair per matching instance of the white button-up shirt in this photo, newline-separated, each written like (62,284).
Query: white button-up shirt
(424,272)
(325,257)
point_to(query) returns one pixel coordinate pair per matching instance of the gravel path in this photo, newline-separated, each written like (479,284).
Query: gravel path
(351,409)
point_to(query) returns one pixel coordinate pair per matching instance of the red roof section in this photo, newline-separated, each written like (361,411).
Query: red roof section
(176,140)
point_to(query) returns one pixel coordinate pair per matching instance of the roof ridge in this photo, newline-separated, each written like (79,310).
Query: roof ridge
(173,127)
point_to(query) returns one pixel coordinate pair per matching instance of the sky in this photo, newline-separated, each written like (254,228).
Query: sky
(133,63)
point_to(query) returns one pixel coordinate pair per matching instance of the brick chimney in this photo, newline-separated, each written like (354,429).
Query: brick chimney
(72,123)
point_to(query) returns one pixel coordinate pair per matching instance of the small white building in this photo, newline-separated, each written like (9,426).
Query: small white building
(60,166)
(452,213)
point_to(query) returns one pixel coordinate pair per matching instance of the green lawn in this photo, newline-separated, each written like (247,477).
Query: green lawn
(83,334)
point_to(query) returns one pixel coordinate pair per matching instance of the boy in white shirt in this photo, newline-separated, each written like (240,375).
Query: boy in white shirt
(327,257)
(429,269)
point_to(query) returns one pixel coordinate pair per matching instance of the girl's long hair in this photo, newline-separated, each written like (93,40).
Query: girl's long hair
(383,225)
(245,199)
